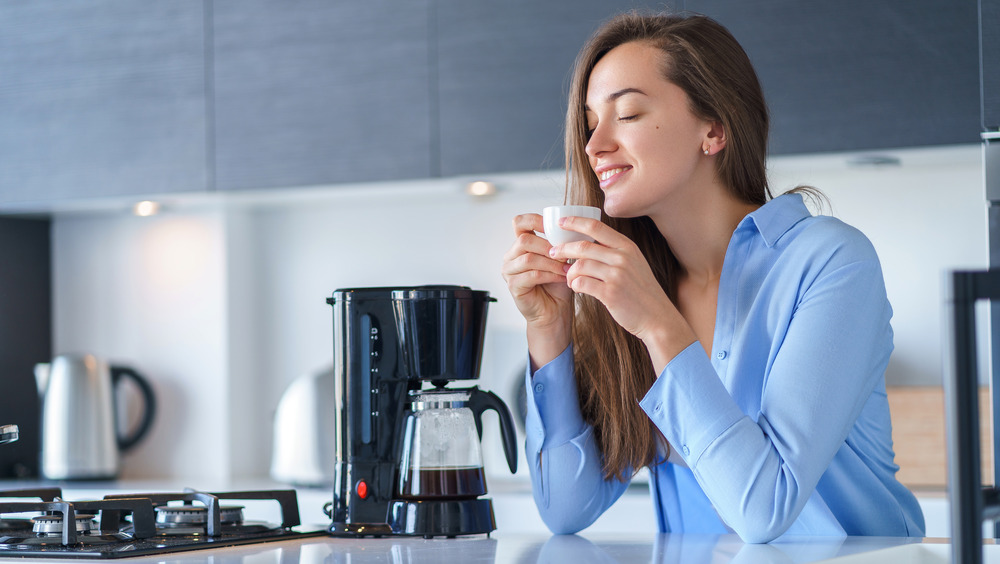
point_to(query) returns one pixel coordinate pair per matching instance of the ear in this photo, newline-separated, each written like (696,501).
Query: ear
(715,139)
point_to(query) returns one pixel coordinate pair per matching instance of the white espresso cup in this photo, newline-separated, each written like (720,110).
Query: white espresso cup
(558,236)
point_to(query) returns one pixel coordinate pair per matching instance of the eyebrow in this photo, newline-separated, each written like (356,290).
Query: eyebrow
(618,94)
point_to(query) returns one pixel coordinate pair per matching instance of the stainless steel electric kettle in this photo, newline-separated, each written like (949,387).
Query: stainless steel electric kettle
(80,438)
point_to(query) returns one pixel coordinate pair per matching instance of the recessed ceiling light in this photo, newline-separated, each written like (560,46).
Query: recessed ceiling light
(146,208)
(481,188)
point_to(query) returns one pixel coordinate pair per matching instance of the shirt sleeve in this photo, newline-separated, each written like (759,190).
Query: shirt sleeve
(759,471)
(563,460)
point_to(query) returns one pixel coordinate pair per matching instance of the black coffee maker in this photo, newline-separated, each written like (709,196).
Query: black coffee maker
(407,459)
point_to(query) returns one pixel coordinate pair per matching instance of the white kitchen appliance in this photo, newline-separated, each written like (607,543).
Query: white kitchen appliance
(304,442)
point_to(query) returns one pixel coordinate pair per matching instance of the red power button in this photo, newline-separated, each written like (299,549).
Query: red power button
(362,489)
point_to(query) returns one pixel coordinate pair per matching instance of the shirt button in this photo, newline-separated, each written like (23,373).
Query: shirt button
(539,388)
(658,407)
(686,450)
(721,355)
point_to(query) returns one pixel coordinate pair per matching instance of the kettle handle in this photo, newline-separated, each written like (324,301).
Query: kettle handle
(149,401)
(480,401)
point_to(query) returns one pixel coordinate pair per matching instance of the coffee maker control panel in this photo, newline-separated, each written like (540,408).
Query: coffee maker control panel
(369,374)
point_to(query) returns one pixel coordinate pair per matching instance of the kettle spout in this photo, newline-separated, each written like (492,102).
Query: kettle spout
(42,377)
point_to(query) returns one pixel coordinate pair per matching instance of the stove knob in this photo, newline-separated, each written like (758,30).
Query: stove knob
(8,434)
(362,489)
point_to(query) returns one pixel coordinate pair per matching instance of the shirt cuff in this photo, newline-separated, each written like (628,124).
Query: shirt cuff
(552,395)
(689,404)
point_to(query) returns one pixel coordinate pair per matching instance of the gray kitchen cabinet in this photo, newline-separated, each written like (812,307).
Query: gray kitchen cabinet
(101,98)
(503,76)
(116,97)
(317,92)
(989,26)
(838,76)
(855,75)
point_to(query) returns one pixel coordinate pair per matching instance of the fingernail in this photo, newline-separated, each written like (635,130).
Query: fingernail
(552,252)
(565,268)
(562,221)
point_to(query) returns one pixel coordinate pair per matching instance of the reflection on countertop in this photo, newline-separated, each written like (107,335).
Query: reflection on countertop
(689,548)
(532,549)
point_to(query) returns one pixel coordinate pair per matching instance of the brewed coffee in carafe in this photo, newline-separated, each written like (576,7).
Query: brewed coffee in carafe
(409,460)
(441,458)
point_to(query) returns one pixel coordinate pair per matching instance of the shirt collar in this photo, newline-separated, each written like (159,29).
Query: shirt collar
(777,216)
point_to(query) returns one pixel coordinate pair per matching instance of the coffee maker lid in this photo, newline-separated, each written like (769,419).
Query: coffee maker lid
(436,291)
(439,292)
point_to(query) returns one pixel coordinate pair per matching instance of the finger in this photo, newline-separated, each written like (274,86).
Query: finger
(586,285)
(525,282)
(527,242)
(599,231)
(580,269)
(585,250)
(531,261)
(528,222)
(589,268)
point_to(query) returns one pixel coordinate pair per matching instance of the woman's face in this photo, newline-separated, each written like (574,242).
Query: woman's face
(646,146)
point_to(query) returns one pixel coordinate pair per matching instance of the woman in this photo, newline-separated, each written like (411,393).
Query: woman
(731,343)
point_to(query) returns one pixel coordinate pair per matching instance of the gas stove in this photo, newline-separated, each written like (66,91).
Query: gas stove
(124,525)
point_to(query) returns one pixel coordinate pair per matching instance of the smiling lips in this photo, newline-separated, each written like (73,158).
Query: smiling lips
(607,176)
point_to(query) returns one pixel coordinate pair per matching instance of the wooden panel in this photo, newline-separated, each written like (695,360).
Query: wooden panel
(101,98)
(919,431)
(316,92)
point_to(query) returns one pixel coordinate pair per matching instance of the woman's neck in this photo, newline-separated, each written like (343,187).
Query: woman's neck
(699,229)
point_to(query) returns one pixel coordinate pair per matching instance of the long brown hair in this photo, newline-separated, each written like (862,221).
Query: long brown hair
(700,56)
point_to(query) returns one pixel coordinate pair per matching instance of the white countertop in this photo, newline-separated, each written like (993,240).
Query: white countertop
(625,533)
(504,548)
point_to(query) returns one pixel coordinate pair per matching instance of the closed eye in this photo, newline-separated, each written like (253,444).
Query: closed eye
(628,118)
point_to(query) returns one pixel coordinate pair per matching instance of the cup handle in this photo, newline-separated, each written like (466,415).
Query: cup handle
(480,401)
(149,401)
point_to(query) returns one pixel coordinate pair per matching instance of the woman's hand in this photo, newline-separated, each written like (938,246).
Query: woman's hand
(613,270)
(538,285)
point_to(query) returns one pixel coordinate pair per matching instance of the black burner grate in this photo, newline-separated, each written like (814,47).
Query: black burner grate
(128,524)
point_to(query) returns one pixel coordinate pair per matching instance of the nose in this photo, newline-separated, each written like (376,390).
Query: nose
(601,141)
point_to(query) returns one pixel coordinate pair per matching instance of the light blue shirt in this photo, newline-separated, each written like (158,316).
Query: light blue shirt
(784,427)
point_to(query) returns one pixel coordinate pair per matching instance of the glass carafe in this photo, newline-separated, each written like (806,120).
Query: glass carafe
(441,458)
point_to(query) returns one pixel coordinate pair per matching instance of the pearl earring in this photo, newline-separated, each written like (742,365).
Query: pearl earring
(706,151)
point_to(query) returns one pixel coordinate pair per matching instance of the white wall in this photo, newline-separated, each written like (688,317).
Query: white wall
(220,300)
(150,292)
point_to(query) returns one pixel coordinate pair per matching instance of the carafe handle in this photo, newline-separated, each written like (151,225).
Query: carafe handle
(480,401)
(149,404)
